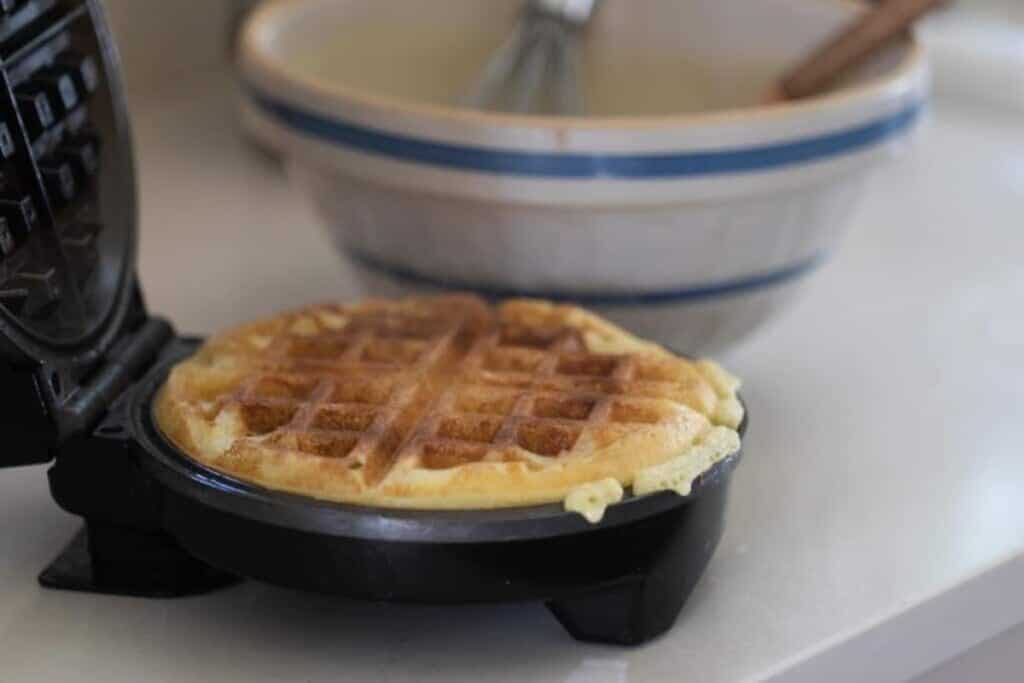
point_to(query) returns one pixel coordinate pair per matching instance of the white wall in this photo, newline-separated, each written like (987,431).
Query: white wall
(159,39)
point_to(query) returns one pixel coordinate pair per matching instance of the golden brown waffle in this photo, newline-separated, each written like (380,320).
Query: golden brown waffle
(444,402)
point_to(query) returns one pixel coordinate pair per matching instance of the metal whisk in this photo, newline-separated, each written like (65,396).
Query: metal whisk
(537,70)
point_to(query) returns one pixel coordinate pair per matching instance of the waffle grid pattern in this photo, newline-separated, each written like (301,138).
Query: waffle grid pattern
(379,392)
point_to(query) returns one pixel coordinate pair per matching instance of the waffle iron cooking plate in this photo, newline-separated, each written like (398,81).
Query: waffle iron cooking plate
(81,359)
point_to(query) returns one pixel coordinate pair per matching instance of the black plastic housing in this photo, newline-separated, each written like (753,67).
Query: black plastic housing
(622,580)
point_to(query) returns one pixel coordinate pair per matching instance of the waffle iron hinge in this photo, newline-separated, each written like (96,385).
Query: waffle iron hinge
(122,548)
(127,361)
(96,472)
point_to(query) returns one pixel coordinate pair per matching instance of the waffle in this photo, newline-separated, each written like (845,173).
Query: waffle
(447,402)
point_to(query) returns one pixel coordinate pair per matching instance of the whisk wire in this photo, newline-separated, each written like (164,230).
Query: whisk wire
(537,70)
(569,76)
(488,87)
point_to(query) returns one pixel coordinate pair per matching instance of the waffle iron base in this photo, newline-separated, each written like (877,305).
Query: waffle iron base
(160,524)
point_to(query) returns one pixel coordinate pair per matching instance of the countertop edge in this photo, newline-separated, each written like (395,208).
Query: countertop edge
(937,628)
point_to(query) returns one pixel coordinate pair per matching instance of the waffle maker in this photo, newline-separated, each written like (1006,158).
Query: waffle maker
(81,359)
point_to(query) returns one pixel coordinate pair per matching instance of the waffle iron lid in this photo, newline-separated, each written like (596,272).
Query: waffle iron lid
(68,225)
(69,304)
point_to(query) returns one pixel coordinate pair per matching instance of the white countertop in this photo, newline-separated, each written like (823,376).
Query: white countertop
(876,525)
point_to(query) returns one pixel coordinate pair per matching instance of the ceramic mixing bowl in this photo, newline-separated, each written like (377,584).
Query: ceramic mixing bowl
(691,228)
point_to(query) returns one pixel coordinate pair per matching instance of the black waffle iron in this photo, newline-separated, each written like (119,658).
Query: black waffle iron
(80,360)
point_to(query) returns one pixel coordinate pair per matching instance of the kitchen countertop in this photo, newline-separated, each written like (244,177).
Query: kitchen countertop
(876,525)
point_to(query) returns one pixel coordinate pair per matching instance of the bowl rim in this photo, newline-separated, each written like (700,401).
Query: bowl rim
(256,57)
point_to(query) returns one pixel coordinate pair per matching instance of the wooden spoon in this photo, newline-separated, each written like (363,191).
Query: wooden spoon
(849,48)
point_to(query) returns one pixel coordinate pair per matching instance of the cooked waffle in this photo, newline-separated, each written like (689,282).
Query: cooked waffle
(445,402)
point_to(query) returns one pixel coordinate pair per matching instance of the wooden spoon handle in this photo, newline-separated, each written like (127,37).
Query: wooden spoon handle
(852,45)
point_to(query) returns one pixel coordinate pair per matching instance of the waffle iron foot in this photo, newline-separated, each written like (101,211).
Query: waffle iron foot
(630,613)
(103,558)
(644,603)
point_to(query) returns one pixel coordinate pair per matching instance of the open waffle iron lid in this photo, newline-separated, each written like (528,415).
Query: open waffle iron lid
(69,306)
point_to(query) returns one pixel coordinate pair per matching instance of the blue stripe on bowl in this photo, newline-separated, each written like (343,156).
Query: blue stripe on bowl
(626,166)
(710,290)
